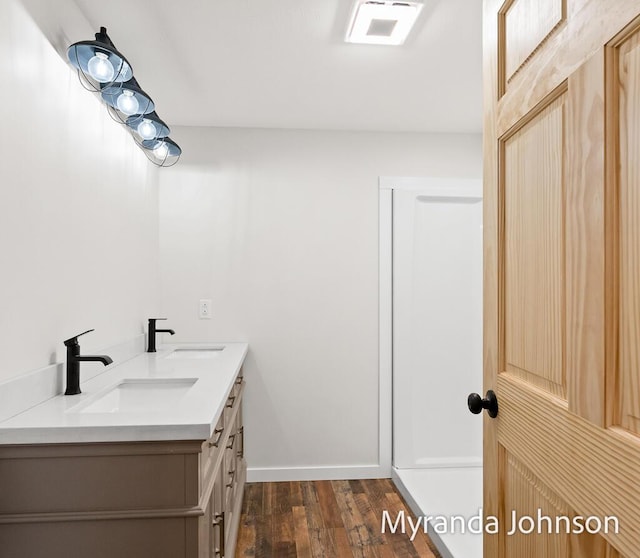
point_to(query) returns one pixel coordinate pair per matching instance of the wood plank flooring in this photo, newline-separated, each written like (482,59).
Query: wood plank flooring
(325,519)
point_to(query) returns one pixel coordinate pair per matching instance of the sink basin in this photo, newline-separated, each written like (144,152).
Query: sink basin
(138,396)
(196,353)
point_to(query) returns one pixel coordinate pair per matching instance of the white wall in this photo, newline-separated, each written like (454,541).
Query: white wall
(280,230)
(78,209)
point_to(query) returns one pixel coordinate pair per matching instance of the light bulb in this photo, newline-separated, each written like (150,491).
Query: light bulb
(100,68)
(147,129)
(161,150)
(127,103)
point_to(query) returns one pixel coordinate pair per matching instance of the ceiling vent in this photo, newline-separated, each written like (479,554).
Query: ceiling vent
(382,23)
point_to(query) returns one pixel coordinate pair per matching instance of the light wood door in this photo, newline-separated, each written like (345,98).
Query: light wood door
(562,276)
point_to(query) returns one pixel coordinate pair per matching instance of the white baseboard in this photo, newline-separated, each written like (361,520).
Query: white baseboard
(351,472)
(445,462)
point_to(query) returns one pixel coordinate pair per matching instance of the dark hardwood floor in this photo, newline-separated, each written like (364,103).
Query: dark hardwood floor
(325,519)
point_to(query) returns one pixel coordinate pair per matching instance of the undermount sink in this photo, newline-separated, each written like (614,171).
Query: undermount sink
(138,396)
(194,353)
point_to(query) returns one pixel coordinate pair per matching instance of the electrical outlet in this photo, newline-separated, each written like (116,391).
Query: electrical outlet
(204,309)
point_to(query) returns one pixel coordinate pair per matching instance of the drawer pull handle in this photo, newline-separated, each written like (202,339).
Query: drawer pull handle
(230,401)
(232,474)
(241,444)
(239,381)
(215,443)
(231,440)
(219,522)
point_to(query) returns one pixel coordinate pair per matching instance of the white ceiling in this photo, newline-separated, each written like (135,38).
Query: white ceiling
(284,64)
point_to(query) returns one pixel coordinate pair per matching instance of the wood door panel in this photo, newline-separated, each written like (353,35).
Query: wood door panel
(628,62)
(543,512)
(523,491)
(533,187)
(591,546)
(553,61)
(594,470)
(526,25)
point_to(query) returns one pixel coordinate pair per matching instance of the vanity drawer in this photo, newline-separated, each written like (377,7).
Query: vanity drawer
(237,385)
(224,434)
(233,401)
(230,471)
(211,449)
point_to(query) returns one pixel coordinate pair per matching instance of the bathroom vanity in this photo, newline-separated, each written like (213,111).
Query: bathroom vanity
(148,462)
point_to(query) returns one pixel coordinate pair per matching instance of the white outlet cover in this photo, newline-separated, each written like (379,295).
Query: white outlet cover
(204,309)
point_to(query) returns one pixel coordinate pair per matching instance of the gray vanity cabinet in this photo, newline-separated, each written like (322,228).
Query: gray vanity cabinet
(167,499)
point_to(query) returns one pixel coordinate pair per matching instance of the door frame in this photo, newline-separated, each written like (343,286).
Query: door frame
(432,186)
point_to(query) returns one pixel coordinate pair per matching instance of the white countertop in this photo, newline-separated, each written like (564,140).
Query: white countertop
(192,417)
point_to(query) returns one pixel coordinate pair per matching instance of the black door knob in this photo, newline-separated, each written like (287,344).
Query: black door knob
(490,403)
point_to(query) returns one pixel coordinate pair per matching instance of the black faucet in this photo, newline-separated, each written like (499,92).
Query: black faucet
(73,363)
(152,334)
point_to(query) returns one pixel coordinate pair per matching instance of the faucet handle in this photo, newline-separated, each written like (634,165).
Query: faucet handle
(74,340)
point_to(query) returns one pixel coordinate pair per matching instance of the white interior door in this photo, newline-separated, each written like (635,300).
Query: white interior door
(437,325)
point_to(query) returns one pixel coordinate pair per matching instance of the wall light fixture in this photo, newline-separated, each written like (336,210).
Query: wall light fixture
(126,99)
(104,71)
(147,127)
